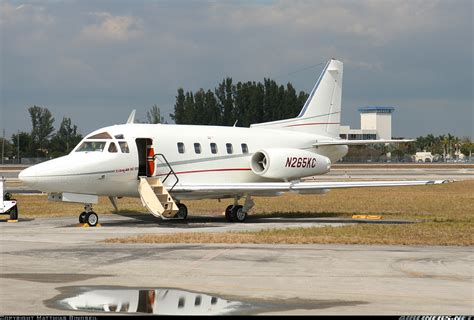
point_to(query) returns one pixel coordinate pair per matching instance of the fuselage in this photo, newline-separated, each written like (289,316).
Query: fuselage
(109,161)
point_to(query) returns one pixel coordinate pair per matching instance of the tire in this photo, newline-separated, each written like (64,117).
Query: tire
(82,217)
(183,211)
(92,219)
(228,213)
(14,213)
(238,215)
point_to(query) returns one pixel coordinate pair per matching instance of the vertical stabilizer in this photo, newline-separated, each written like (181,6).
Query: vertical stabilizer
(321,114)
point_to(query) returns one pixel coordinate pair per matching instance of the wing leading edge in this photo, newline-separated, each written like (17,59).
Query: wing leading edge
(276,187)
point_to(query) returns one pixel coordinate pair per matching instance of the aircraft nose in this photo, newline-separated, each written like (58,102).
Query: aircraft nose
(28,176)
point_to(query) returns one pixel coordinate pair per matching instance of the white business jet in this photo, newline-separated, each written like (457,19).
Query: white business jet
(166,164)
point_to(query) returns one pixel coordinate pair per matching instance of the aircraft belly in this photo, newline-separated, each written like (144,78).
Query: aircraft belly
(218,195)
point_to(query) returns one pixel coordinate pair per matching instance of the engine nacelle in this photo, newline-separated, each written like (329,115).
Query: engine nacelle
(287,163)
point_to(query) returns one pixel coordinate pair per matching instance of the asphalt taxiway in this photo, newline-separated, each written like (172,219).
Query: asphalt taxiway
(49,259)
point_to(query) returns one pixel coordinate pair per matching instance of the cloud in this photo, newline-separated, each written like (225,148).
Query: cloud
(24,13)
(113,28)
(375,21)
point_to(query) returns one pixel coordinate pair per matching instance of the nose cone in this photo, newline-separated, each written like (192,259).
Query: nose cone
(28,176)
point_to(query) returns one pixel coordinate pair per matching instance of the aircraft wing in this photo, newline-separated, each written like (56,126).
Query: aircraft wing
(268,188)
(339,142)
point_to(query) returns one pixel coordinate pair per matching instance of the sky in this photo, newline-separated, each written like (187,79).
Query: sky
(95,61)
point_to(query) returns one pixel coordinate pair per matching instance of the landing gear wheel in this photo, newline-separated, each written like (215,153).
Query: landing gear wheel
(238,214)
(92,219)
(228,213)
(82,217)
(183,211)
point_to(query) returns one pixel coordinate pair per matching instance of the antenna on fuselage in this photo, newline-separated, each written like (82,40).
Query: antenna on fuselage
(131,117)
(235,123)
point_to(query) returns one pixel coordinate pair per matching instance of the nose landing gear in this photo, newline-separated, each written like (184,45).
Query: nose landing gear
(89,216)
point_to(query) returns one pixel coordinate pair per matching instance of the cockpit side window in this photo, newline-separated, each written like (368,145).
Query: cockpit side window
(102,135)
(124,147)
(91,146)
(113,147)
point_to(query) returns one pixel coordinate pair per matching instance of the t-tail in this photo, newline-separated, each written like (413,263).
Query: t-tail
(321,114)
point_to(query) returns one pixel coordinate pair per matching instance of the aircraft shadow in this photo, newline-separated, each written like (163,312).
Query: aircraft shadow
(147,220)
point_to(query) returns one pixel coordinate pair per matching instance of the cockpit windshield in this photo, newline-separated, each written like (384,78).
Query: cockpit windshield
(91,146)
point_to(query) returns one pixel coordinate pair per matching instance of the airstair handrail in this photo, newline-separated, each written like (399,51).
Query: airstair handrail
(171,170)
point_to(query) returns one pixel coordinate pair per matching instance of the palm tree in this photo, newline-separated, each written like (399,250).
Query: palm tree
(450,142)
(430,141)
(420,143)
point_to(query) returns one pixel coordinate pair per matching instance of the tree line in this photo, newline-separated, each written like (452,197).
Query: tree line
(42,141)
(242,104)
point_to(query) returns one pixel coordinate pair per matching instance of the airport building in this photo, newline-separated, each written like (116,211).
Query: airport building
(375,123)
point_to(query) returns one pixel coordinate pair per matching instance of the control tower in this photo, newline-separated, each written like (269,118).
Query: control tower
(375,123)
(378,119)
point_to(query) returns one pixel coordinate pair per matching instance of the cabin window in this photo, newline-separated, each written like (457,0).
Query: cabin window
(197,301)
(213,148)
(124,147)
(102,135)
(181,302)
(91,146)
(113,147)
(229,148)
(197,148)
(180,147)
(118,136)
(245,148)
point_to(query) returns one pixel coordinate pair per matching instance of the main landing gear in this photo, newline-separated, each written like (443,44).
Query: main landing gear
(238,213)
(89,216)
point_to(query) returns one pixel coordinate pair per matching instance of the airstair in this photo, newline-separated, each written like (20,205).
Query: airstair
(155,197)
